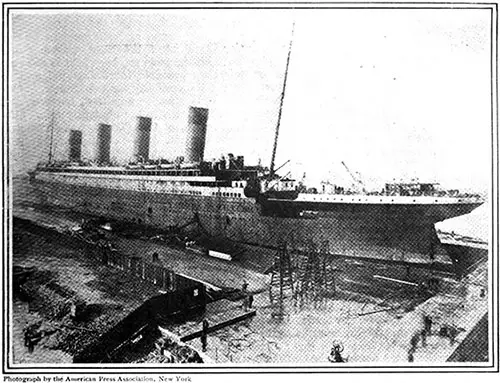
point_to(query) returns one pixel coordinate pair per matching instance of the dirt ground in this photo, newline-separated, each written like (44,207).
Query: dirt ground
(109,295)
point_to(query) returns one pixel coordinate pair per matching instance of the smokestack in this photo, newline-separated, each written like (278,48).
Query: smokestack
(103,144)
(197,130)
(75,145)
(141,145)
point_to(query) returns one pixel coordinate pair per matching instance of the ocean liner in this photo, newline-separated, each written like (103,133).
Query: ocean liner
(249,204)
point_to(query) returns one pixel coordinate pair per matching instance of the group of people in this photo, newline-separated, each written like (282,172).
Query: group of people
(445,331)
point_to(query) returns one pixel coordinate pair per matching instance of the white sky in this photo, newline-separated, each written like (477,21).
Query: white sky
(393,93)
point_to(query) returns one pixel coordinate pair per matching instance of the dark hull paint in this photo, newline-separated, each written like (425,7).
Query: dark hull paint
(402,213)
(395,232)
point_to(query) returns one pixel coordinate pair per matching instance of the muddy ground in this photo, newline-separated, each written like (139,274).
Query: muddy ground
(62,273)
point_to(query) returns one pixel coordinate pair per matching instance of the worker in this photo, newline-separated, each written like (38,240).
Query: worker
(414,341)
(452,334)
(244,291)
(411,358)
(250,301)
(27,339)
(427,324)
(244,306)
(31,338)
(423,335)
(336,353)
(30,345)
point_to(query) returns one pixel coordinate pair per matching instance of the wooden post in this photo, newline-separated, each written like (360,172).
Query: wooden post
(204,333)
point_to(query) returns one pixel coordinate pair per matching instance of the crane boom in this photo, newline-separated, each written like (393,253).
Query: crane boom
(356,180)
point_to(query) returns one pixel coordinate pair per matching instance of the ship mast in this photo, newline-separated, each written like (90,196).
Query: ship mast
(51,137)
(276,133)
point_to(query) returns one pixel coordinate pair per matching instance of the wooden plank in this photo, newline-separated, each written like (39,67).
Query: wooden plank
(395,280)
(218,326)
(376,311)
(220,255)
(129,339)
(210,286)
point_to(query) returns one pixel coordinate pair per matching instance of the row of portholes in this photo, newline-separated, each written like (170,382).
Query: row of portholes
(224,194)
(143,186)
(117,181)
(359,200)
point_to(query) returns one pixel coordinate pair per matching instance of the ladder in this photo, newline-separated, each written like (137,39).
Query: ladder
(315,274)
(281,286)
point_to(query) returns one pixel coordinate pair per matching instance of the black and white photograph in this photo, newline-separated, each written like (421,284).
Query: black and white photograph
(268,186)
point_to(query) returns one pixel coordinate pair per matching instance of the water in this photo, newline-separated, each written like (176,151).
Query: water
(475,224)
(305,335)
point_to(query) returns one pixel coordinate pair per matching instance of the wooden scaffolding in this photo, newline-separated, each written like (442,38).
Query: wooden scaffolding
(315,274)
(281,286)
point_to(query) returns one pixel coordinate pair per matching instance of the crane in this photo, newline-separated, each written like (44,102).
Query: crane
(355,179)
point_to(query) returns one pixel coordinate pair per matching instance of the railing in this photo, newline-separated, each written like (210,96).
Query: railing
(152,272)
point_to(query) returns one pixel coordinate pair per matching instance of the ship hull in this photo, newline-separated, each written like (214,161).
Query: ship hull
(400,233)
